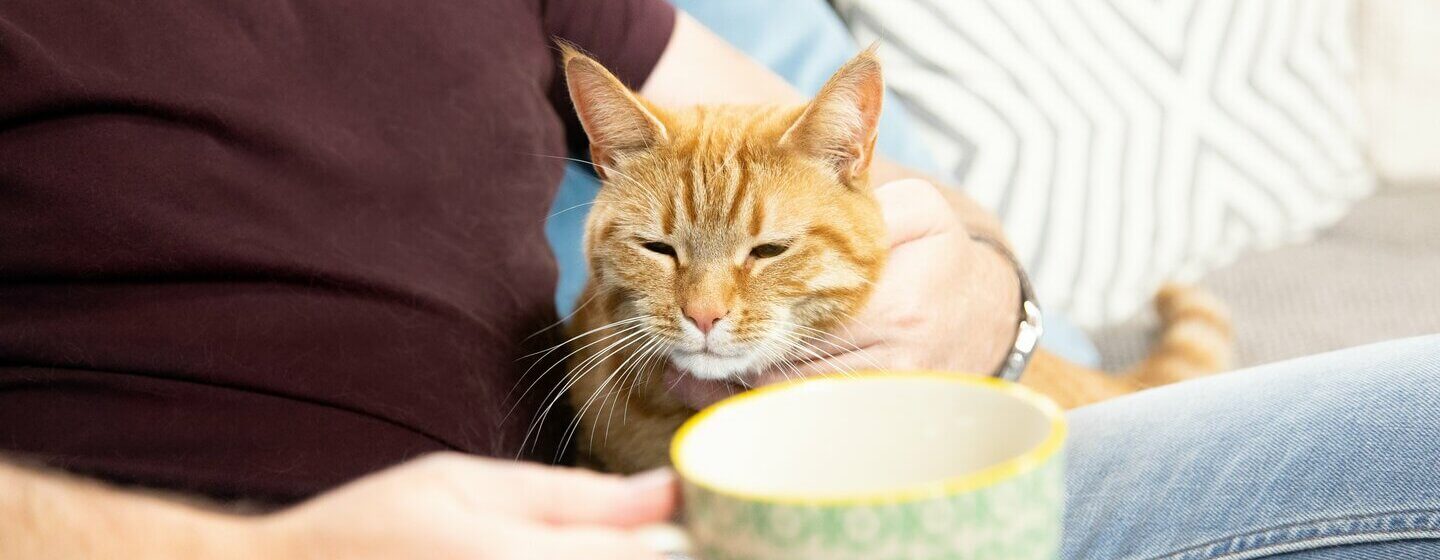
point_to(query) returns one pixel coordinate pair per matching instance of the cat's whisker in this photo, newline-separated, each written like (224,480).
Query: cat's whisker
(642,375)
(785,356)
(623,371)
(802,345)
(642,378)
(627,324)
(595,360)
(573,338)
(554,396)
(607,168)
(582,205)
(854,349)
(579,414)
(557,323)
(560,362)
(625,387)
(672,386)
(851,319)
(825,337)
(591,364)
(780,359)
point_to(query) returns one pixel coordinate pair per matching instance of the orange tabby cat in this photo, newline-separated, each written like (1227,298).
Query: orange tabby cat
(721,231)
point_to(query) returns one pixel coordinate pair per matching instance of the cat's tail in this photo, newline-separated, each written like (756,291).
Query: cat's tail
(1196,338)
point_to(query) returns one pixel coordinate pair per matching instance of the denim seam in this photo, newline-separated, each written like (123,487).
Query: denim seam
(1404,525)
(1327,542)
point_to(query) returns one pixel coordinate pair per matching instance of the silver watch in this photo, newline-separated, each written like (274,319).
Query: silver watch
(1032,324)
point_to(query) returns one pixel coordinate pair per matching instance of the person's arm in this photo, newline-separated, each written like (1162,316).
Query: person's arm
(45,515)
(945,288)
(444,505)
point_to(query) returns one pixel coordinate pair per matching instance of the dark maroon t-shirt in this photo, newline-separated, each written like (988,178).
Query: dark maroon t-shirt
(256,248)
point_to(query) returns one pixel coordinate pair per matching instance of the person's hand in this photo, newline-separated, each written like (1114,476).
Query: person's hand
(945,302)
(453,506)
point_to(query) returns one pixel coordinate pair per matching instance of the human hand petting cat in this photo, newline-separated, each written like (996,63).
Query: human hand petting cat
(455,506)
(944,302)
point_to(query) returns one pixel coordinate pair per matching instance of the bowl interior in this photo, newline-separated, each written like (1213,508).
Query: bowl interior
(837,437)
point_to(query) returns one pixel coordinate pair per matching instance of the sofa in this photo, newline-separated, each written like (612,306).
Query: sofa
(1374,275)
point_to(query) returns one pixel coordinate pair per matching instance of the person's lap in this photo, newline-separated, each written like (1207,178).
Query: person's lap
(1301,460)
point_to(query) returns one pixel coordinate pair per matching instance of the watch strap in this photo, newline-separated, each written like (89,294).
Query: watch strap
(1032,324)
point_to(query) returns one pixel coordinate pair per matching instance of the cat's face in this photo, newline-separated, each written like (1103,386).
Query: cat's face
(729,237)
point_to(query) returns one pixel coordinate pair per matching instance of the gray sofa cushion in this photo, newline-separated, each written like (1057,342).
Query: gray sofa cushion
(1375,276)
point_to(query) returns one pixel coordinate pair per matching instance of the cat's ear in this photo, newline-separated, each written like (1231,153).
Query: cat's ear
(614,118)
(840,124)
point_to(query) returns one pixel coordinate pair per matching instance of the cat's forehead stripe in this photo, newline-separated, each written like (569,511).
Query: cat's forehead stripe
(757,217)
(667,218)
(836,240)
(698,173)
(742,184)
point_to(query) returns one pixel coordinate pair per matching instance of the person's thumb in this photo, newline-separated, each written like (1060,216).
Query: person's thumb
(564,496)
(589,543)
(914,209)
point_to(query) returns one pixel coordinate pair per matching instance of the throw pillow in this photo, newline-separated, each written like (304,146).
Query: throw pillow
(1129,142)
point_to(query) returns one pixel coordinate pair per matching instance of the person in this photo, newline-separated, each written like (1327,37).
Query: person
(266,254)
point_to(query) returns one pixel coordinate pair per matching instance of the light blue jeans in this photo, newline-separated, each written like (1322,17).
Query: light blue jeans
(1333,457)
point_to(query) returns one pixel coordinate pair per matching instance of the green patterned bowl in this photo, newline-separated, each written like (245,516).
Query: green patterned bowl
(910,466)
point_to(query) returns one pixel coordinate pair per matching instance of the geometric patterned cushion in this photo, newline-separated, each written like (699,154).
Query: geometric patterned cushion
(1129,142)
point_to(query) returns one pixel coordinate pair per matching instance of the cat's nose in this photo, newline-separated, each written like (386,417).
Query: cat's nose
(705,316)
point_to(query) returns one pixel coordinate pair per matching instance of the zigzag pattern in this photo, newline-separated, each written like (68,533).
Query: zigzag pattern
(1127,142)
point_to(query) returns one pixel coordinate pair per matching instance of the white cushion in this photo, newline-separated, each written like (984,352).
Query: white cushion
(1399,52)
(1129,142)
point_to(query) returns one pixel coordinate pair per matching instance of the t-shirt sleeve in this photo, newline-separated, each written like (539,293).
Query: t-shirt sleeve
(627,36)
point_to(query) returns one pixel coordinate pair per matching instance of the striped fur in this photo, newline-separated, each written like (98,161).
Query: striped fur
(712,184)
(1195,340)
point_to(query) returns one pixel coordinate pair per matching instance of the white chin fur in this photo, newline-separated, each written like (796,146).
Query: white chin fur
(711,366)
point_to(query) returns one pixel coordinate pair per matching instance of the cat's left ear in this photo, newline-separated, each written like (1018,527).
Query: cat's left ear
(840,125)
(614,118)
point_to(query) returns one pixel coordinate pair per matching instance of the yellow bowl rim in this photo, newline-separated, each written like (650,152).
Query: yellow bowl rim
(993,474)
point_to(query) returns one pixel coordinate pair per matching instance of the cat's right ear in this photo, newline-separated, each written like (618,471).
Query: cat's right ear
(841,124)
(614,118)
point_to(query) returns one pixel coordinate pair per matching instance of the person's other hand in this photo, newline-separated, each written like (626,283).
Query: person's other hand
(944,302)
(453,506)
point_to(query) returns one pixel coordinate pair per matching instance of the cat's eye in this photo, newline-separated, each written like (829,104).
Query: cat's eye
(767,250)
(658,247)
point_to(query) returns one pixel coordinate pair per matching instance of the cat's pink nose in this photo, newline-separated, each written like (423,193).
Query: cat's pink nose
(705,317)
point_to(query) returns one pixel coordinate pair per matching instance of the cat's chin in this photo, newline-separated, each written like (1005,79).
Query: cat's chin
(711,366)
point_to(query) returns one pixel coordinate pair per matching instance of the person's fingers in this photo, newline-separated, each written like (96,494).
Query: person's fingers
(590,543)
(558,495)
(913,209)
(561,496)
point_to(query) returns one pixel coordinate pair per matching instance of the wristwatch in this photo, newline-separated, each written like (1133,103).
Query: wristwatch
(1032,324)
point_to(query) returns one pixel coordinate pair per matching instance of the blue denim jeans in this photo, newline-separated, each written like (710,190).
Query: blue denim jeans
(1333,457)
